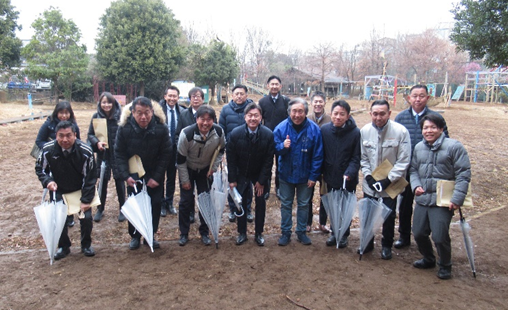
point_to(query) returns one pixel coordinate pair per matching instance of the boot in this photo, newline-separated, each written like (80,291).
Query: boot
(98,214)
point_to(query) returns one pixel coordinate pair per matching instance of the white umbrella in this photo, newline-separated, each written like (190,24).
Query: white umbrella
(372,213)
(51,218)
(138,211)
(464,226)
(211,204)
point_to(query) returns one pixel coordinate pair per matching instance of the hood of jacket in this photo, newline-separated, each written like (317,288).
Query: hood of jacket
(158,114)
(349,125)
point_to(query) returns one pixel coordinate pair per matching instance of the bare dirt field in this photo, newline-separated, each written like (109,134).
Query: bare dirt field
(248,276)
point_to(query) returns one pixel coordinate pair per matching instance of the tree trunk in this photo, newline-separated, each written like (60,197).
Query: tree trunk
(142,89)
(212,94)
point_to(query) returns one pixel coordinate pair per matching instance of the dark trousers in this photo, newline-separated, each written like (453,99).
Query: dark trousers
(156,197)
(199,180)
(260,210)
(170,182)
(406,212)
(119,184)
(389,223)
(86,225)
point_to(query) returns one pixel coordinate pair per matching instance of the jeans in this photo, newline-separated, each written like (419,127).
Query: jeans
(287,192)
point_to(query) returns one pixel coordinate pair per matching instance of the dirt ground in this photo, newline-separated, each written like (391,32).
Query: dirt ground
(248,276)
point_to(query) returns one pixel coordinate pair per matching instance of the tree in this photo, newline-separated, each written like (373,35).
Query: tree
(138,42)
(54,52)
(218,67)
(10,46)
(481,28)
(322,59)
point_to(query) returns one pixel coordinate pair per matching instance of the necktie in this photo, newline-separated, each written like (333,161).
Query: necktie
(417,119)
(172,126)
(252,136)
(274,99)
(66,154)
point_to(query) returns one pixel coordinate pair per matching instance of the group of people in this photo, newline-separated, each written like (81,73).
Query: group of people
(309,147)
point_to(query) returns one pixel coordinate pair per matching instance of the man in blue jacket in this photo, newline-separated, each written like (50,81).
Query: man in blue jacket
(299,147)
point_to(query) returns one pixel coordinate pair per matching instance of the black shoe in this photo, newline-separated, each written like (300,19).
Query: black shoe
(424,264)
(386,253)
(331,241)
(402,243)
(206,240)
(259,239)
(183,240)
(250,218)
(70,221)
(164,212)
(172,210)
(134,244)
(191,218)
(98,215)
(88,251)
(156,244)
(343,242)
(232,217)
(62,253)
(445,272)
(121,217)
(368,249)
(241,239)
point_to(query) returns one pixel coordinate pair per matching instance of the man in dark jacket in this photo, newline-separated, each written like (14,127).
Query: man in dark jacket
(342,153)
(66,165)
(418,97)
(173,112)
(145,134)
(275,110)
(232,116)
(250,151)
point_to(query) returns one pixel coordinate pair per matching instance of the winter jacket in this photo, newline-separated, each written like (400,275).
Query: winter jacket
(303,160)
(250,159)
(195,153)
(324,119)
(152,144)
(341,149)
(274,112)
(76,172)
(47,131)
(392,142)
(232,116)
(112,124)
(407,119)
(446,159)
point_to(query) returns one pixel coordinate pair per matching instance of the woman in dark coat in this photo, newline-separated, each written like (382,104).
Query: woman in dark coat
(107,108)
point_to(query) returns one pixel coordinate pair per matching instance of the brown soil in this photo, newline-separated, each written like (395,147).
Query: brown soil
(248,276)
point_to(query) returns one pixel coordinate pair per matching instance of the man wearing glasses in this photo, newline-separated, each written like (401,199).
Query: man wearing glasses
(410,118)
(232,116)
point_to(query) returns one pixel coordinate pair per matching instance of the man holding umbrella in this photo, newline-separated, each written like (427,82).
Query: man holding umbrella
(66,165)
(196,147)
(383,140)
(250,151)
(145,134)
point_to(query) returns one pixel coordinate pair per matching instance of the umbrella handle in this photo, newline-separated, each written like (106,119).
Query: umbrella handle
(377,186)
(136,188)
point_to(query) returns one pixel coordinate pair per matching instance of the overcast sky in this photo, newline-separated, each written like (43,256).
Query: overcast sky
(292,24)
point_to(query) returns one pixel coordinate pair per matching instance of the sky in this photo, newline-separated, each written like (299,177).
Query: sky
(291,24)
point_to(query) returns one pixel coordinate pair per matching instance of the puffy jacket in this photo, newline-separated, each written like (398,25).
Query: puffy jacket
(341,148)
(76,172)
(112,124)
(47,131)
(274,112)
(303,160)
(407,119)
(446,159)
(392,142)
(324,119)
(196,153)
(152,144)
(250,159)
(232,116)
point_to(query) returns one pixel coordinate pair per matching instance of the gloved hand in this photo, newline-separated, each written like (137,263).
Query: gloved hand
(370,181)
(385,183)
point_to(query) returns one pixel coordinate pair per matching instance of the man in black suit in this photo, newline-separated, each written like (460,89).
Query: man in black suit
(173,113)
(275,110)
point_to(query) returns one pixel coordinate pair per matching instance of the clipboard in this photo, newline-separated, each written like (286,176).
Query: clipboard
(444,193)
(100,127)
(382,171)
(73,202)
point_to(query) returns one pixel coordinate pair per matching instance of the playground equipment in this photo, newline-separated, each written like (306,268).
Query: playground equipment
(486,86)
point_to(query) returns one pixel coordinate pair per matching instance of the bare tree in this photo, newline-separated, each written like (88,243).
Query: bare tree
(321,59)
(259,43)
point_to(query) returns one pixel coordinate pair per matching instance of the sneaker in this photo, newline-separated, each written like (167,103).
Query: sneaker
(303,239)
(285,239)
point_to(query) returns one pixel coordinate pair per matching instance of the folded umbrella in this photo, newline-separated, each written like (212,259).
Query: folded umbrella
(372,213)
(138,211)
(211,204)
(468,243)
